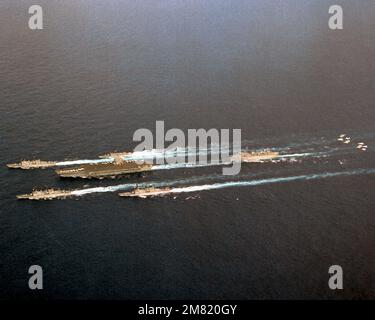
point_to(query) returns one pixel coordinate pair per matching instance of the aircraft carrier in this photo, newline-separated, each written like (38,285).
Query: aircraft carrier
(104,170)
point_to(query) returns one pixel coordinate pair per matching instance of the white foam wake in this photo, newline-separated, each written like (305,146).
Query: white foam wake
(153,154)
(165,166)
(260,182)
(131,186)
(120,187)
(255,182)
(180,153)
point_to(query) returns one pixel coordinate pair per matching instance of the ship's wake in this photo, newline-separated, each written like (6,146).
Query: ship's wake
(248,183)
(179,186)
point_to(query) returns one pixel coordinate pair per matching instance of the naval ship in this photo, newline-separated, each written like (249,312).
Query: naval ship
(47,194)
(146,192)
(255,156)
(104,170)
(31,164)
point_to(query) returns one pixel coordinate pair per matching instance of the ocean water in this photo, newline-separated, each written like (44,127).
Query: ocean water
(99,70)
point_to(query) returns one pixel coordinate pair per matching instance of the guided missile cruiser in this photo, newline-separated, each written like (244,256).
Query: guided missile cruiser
(146,192)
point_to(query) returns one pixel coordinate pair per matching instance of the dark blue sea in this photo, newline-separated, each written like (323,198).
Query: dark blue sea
(99,70)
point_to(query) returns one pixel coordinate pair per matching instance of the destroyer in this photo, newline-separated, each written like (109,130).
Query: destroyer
(47,194)
(31,164)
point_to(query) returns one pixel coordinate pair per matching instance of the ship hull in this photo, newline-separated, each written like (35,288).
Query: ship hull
(45,195)
(28,165)
(101,171)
